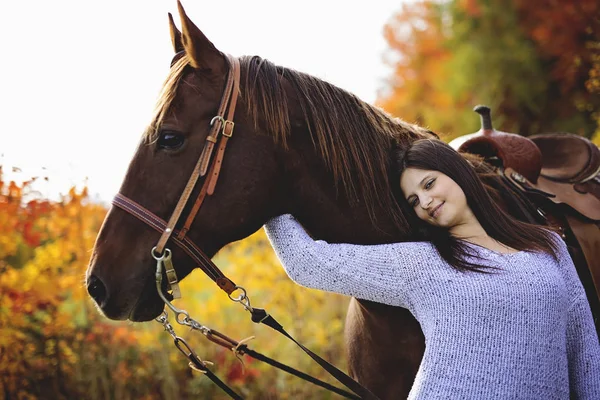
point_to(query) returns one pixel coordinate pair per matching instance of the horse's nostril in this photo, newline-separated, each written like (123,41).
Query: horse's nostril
(96,289)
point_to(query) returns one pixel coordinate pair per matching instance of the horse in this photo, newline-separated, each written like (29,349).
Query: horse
(297,145)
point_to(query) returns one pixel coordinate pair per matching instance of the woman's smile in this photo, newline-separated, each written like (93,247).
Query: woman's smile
(435,212)
(435,198)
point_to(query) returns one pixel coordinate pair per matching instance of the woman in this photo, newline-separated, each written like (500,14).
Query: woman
(499,301)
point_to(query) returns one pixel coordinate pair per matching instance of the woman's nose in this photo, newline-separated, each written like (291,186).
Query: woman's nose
(425,202)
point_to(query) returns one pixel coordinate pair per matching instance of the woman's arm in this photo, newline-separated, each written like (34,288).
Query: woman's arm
(583,348)
(376,272)
(583,351)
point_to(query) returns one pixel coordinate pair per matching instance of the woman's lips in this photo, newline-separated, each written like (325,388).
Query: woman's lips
(436,211)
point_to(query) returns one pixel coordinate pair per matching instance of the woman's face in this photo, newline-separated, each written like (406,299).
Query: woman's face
(435,197)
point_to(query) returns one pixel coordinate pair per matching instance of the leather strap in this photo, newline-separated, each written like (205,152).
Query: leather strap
(202,162)
(215,169)
(227,127)
(241,348)
(203,262)
(197,364)
(261,316)
(274,363)
(218,120)
(192,215)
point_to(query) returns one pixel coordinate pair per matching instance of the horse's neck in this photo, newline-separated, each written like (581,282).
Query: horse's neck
(324,210)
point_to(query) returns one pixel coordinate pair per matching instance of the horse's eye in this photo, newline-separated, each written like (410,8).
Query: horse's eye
(170,140)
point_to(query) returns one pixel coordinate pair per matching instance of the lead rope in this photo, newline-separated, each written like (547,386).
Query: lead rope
(239,348)
(205,263)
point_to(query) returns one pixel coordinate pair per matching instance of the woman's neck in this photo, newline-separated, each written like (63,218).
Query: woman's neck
(472,231)
(469,232)
(469,228)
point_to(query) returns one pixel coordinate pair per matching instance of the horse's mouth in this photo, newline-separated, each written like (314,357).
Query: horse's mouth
(146,311)
(149,305)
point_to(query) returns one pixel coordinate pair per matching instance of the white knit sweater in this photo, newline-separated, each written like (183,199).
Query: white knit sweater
(524,331)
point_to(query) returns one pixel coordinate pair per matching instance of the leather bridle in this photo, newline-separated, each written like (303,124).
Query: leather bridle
(221,124)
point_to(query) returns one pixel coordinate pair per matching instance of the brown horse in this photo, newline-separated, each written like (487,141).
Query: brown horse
(301,146)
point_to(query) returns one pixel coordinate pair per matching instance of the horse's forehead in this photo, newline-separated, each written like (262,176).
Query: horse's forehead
(197,87)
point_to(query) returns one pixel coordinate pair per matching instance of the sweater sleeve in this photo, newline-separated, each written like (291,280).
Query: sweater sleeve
(371,272)
(583,348)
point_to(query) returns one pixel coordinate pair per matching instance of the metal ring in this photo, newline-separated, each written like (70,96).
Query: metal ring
(241,296)
(162,317)
(217,118)
(185,318)
(161,257)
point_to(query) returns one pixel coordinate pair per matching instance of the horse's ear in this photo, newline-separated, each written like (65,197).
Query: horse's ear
(175,35)
(201,52)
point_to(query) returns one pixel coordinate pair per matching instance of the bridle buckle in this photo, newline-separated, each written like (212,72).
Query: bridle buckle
(228,128)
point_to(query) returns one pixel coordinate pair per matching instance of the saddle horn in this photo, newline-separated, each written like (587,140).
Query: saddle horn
(508,150)
(486,116)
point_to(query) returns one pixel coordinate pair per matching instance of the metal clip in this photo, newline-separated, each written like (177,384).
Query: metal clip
(164,320)
(172,281)
(518,177)
(243,299)
(159,278)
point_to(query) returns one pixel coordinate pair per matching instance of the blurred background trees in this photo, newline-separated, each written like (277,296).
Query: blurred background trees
(535,63)
(54,344)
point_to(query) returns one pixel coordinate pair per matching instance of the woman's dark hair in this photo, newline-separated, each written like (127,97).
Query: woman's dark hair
(433,154)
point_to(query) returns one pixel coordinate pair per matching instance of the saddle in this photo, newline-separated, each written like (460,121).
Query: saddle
(567,158)
(563,167)
(560,174)
(510,150)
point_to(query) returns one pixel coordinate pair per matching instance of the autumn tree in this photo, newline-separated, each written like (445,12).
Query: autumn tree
(55,344)
(534,63)
(417,89)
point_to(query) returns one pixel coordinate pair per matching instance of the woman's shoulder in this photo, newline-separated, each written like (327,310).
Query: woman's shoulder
(560,246)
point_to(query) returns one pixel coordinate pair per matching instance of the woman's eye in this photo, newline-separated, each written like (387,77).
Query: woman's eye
(170,140)
(414,203)
(429,184)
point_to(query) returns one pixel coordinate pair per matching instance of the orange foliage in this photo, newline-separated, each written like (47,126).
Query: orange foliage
(54,344)
(416,37)
(534,62)
(565,32)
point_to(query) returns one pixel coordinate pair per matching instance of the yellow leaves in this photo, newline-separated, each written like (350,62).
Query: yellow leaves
(9,278)
(8,245)
(49,323)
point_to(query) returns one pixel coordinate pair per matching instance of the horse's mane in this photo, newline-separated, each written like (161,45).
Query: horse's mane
(353,137)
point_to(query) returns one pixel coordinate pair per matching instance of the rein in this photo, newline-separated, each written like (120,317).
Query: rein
(222,123)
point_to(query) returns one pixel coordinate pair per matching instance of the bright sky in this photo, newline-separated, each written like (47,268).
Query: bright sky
(78,79)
